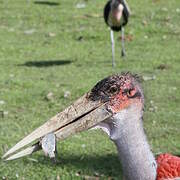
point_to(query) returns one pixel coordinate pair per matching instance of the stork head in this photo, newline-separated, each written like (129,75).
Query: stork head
(125,100)
(119,91)
(117,9)
(107,100)
(115,4)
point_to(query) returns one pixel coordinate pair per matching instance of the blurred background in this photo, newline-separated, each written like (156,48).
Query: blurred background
(53,51)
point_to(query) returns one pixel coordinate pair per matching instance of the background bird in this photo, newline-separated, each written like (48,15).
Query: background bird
(115,105)
(116,15)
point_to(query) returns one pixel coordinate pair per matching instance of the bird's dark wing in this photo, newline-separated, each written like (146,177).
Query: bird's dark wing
(106,11)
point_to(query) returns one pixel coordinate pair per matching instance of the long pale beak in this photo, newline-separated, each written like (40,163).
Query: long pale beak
(81,115)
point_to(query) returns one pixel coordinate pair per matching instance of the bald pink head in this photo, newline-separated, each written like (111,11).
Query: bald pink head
(119,91)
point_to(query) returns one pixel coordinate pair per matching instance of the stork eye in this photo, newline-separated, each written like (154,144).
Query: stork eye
(113,89)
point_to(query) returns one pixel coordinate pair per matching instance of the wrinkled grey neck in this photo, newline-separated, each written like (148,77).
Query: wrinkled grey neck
(137,160)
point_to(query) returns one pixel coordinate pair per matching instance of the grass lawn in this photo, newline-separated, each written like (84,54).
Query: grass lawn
(52,46)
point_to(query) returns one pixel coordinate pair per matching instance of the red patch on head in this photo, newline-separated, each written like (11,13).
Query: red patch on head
(119,102)
(119,91)
(123,99)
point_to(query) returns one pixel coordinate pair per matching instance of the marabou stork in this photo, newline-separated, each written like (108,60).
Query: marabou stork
(116,14)
(115,105)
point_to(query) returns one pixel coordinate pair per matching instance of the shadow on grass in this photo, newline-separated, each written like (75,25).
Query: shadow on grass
(40,64)
(107,165)
(47,3)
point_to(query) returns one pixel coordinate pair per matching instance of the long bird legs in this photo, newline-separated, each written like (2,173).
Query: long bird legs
(112,44)
(123,53)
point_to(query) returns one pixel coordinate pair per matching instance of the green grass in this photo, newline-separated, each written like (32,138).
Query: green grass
(80,55)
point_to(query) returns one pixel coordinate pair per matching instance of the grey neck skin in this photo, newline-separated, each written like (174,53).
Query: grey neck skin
(127,132)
